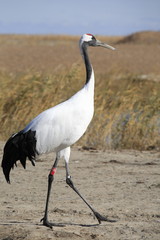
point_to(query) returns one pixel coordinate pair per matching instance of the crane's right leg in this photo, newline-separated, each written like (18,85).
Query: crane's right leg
(50,180)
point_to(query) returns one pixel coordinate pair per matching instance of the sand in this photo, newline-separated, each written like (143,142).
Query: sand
(123,185)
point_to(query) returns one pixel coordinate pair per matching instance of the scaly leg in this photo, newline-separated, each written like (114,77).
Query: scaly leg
(50,180)
(96,214)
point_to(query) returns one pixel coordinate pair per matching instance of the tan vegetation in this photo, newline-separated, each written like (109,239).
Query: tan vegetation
(37,72)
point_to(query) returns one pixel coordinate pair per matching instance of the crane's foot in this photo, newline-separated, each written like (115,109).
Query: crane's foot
(49,224)
(100,218)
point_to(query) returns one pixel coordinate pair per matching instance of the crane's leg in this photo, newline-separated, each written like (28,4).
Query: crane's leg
(96,214)
(50,180)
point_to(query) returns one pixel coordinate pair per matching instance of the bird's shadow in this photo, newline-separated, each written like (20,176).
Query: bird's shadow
(75,224)
(54,224)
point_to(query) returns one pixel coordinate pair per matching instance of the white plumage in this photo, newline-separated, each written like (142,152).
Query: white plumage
(61,126)
(56,129)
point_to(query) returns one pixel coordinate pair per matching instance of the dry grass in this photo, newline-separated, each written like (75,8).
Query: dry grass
(37,72)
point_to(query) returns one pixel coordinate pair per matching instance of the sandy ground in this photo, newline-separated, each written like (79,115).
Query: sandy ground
(123,185)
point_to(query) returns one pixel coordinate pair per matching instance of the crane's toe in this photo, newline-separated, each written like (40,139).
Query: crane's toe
(46,223)
(49,224)
(101,218)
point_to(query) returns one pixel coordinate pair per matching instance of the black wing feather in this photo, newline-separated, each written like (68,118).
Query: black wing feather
(19,146)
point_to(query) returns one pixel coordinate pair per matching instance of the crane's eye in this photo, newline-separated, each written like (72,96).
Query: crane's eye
(93,38)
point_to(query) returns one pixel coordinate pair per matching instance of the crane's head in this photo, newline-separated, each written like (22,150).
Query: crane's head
(90,40)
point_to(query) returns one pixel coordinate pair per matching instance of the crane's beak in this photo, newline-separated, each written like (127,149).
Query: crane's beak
(100,44)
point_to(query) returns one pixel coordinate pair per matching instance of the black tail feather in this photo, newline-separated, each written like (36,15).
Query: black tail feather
(20,146)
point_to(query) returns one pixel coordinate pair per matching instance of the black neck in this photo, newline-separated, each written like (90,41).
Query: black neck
(87,62)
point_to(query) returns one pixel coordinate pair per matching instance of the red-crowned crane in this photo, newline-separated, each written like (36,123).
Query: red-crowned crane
(56,129)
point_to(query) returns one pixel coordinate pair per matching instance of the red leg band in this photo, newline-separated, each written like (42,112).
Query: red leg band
(53,171)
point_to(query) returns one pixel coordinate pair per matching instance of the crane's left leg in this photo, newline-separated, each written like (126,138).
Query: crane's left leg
(96,214)
(50,180)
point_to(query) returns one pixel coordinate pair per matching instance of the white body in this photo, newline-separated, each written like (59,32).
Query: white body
(61,126)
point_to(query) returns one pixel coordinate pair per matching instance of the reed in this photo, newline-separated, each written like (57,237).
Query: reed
(127,94)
